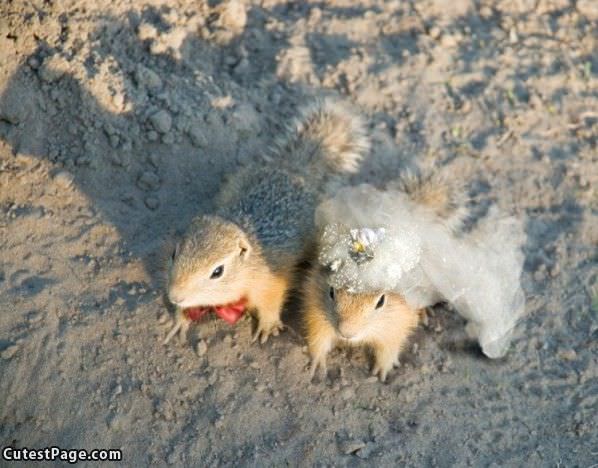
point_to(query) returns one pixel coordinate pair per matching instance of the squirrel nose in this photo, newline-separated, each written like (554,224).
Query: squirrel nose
(344,333)
(175,301)
(176,297)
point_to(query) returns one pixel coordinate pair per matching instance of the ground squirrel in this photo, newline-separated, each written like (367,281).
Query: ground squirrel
(380,320)
(245,254)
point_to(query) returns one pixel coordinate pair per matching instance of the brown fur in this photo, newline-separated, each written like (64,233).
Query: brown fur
(264,222)
(353,319)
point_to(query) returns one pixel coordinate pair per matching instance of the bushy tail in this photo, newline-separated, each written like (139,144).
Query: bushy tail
(445,197)
(327,139)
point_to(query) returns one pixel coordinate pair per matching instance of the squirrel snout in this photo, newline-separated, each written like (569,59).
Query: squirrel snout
(345,332)
(175,296)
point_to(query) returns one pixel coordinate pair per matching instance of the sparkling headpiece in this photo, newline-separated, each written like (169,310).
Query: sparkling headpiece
(363,259)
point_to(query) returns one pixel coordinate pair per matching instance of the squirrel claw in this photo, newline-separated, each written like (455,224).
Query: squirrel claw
(181,325)
(264,332)
(380,372)
(319,364)
(173,331)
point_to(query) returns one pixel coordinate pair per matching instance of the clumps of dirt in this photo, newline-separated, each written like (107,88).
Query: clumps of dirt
(118,122)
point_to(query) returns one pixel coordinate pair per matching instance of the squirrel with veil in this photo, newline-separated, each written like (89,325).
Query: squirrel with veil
(409,240)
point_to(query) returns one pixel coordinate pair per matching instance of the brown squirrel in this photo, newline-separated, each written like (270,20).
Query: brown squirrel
(244,255)
(380,320)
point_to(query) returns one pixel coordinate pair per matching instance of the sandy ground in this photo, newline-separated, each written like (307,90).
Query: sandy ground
(118,121)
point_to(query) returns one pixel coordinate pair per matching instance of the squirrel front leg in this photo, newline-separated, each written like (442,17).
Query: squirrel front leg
(386,355)
(269,300)
(321,338)
(387,346)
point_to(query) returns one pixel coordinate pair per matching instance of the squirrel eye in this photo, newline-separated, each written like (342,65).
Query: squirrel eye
(217,273)
(380,301)
(331,293)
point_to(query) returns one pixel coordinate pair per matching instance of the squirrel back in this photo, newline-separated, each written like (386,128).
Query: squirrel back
(274,203)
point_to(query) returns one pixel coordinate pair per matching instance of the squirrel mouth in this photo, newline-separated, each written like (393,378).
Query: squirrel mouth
(230,313)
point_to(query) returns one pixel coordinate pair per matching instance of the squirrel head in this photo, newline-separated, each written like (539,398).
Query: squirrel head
(209,266)
(358,316)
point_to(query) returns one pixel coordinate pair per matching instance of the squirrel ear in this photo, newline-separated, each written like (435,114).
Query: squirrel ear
(244,248)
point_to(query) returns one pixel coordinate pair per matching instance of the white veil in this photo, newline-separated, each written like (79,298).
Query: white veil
(381,240)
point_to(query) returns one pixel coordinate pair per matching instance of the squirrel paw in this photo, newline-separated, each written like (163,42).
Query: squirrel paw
(181,326)
(382,370)
(315,365)
(263,331)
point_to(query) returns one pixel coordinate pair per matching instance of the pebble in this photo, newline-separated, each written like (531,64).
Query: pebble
(148,181)
(233,15)
(588,8)
(445,366)
(162,121)
(568,355)
(165,410)
(153,159)
(83,160)
(201,348)
(242,66)
(231,60)
(213,378)
(116,159)
(350,447)
(12,111)
(197,137)
(147,31)
(50,72)
(434,32)
(513,37)
(366,451)
(114,140)
(34,317)
(33,62)
(555,270)
(9,352)
(152,202)
(64,179)
(246,119)
(347,394)
(486,12)
(148,78)
(449,40)
(119,101)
